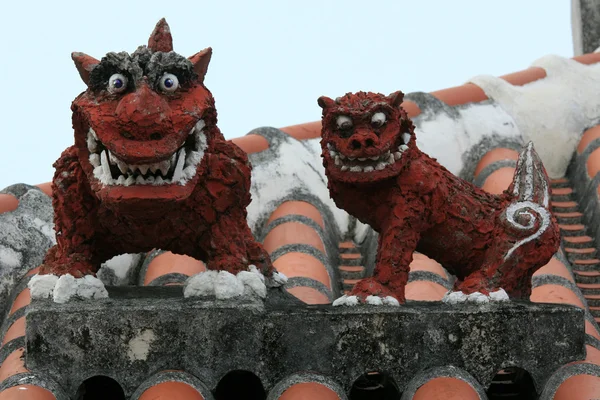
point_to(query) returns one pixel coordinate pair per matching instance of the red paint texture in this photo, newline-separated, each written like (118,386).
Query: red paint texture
(416,204)
(204,218)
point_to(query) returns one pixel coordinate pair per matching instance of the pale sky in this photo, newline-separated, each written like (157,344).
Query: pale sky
(271,59)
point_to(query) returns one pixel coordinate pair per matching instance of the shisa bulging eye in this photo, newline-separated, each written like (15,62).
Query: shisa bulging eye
(168,83)
(117,83)
(378,119)
(343,122)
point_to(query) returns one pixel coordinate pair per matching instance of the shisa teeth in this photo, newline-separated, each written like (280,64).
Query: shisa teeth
(179,168)
(367,164)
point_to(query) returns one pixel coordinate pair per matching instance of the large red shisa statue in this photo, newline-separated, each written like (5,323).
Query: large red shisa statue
(149,168)
(491,243)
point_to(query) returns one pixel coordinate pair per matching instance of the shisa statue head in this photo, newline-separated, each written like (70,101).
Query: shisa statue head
(145,120)
(366,137)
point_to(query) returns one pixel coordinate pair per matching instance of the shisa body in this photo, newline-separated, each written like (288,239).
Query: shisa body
(492,243)
(150,168)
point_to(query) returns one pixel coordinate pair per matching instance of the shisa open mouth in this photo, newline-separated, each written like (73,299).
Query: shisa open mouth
(179,168)
(368,164)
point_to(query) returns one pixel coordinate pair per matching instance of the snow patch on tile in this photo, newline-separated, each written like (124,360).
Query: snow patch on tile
(68,287)
(556,109)
(42,286)
(9,257)
(447,137)
(139,346)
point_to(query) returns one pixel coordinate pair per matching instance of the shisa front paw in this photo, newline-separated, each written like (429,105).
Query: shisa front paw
(66,287)
(346,300)
(459,297)
(224,285)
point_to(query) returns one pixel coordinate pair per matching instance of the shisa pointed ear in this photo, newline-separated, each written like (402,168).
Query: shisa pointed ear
(160,38)
(325,102)
(200,61)
(85,64)
(396,98)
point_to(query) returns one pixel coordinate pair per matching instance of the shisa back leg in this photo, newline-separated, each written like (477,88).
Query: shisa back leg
(526,235)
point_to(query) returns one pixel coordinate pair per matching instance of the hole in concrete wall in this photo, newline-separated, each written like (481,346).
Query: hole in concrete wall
(375,386)
(512,383)
(100,388)
(240,385)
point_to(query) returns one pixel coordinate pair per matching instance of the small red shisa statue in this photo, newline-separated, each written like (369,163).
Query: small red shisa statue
(492,243)
(150,168)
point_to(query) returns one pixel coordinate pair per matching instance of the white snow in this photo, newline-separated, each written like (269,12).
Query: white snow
(556,109)
(68,287)
(139,346)
(42,286)
(10,258)
(447,139)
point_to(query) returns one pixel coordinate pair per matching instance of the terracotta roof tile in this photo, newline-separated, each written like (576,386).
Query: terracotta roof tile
(26,392)
(22,300)
(309,390)
(579,387)
(8,202)
(446,389)
(588,136)
(168,263)
(467,93)
(251,143)
(497,154)
(171,391)
(13,364)
(526,76)
(16,330)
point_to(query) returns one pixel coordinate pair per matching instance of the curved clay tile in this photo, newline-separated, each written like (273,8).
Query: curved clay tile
(46,188)
(171,391)
(555,267)
(251,143)
(16,329)
(591,58)
(432,283)
(499,155)
(8,202)
(525,76)
(294,239)
(13,364)
(309,390)
(446,389)
(499,180)
(23,299)
(593,163)
(588,137)
(169,263)
(308,130)
(579,387)
(467,93)
(26,392)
